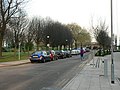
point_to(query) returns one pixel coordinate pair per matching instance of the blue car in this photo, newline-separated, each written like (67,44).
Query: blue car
(40,56)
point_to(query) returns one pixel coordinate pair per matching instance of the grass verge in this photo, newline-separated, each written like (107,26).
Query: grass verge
(9,56)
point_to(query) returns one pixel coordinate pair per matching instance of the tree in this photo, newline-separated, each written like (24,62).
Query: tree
(8,38)
(38,28)
(84,38)
(80,35)
(76,30)
(8,8)
(58,34)
(18,25)
(29,35)
(103,39)
(101,35)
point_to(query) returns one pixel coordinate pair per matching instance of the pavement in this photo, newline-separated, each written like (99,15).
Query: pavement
(93,77)
(14,63)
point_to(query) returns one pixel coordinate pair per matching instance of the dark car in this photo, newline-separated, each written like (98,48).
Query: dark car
(68,53)
(40,56)
(53,55)
(61,54)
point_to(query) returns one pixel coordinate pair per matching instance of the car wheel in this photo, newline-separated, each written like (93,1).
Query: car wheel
(56,58)
(53,58)
(43,61)
(38,61)
(32,61)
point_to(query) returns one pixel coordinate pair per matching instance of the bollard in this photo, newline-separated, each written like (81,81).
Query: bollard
(105,67)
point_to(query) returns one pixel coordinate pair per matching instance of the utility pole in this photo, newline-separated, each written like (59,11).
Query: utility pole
(112,39)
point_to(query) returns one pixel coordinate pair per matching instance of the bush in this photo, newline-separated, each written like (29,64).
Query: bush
(103,52)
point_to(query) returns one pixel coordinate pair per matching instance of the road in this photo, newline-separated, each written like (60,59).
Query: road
(41,76)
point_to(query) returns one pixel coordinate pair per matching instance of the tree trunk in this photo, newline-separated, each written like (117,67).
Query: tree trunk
(57,47)
(28,50)
(60,47)
(1,46)
(64,47)
(37,46)
(76,44)
(2,31)
(53,48)
(15,50)
(69,47)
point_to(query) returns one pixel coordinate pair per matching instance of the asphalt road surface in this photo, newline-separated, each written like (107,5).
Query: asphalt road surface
(41,76)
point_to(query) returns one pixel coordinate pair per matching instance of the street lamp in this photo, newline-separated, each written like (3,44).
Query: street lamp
(48,41)
(112,62)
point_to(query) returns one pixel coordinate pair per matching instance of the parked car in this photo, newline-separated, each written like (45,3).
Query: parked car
(68,53)
(75,52)
(40,56)
(87,49)
(53,55)
(61,54)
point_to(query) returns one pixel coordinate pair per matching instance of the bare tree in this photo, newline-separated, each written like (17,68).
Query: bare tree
(30,33)
(8,8)
(8,38)
(38,27)
(18,25)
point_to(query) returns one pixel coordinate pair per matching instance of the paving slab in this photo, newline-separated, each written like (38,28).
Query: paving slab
(92,75)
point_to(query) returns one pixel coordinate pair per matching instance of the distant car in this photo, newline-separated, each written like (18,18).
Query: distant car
(87,49)
(60,54)
(75,52)
(40,56)
(68,53)
(53,55)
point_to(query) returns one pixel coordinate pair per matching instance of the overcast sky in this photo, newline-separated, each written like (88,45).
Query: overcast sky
(78,11)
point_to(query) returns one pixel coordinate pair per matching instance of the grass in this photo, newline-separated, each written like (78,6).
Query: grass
(9,56)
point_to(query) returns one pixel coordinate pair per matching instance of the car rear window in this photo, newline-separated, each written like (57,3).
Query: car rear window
(38,52)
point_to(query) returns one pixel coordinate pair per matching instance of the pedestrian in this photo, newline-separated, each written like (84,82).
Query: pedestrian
(81,53)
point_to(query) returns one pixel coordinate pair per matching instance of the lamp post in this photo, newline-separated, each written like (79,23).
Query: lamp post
(48,41)
(112,39)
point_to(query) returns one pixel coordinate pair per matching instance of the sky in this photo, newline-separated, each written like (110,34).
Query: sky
(81,12)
